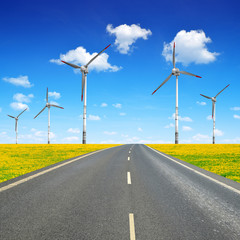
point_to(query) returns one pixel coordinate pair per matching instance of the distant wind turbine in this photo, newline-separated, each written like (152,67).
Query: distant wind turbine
(214,109)
(176,72)
(16,123)
(48,105)
(84,70)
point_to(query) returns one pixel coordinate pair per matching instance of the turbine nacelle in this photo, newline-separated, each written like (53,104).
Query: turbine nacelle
(48,105)
(175,72)
(214,99)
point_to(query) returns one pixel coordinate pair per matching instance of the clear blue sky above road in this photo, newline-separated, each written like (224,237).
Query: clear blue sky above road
(35,35)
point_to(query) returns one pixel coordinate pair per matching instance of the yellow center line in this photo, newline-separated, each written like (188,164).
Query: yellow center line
(131,226)
(129,178)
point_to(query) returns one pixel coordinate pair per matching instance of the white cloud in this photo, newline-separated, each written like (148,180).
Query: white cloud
(55,95)
(0,109)
(44,134)
(140,129)
(234,140)
(122,114)
(218,133)
(236,116)
(19,81)
(71,139)
(235,108)
(184,119)
(124,135)
(73,130)
(93,118)
(127,35)
(190,48)
(104,105)
(201,103)
(201,138)
(209,117)
(109,133)
(81,57)
(117,105)
(18,106)
(186,128)
(169,126)
(22,98)
(54,103)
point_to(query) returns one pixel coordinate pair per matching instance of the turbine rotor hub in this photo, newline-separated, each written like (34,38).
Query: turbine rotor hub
(84,69)
(214,99)
(175,72)
(48,105)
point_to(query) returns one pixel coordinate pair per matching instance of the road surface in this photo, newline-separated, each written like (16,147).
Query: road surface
(126,192)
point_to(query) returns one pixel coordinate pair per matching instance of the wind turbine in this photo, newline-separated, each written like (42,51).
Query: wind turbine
(176,72)
(84,70)
(48,105)
(16,123)
(213,110)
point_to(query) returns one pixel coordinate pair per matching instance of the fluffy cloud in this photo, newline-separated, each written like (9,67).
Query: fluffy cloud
(122,114)
(186,128)
(73,130)
(140,129)
(71,139)
(236,116)
(184,119)
(201,138)
(55,95)
(0,109)
(109,133)
(117,105)
(201,103)
(22,98)
(104,105)
(190,48)
(19,81)
(235,108)
(218,133)
(169,126)
(18,106)
(127,35)
(81,57)
(54,103)
(93,118)
(209,117)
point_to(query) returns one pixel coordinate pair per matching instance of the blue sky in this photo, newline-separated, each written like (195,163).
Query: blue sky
(120,107)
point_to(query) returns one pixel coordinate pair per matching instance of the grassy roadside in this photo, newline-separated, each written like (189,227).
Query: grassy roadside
(222,159)
(19,159)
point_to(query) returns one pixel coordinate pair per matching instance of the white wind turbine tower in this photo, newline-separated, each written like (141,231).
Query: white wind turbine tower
(214,109)
(48,105)
(176,72)
(84,70)
(16,123)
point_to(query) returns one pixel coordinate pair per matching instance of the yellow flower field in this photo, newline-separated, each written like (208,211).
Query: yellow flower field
(19,159)
(222,159)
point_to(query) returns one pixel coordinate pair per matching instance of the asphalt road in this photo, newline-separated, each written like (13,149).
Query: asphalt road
(127,192)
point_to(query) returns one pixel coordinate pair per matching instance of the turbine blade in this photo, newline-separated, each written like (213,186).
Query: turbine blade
(213,109)
(205,96)
(70,64)
(47,95)
(190,74)
(163,82)
(40,112)
(174,55)
(96,56)
(11,116)
(52,105)
(22,112)
(222,90)
(83,85)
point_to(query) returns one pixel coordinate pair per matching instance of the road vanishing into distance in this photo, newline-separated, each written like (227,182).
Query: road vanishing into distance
(126,192)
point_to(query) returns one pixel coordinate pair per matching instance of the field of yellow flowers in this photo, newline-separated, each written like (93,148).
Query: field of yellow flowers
(222,159)
(19,159)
